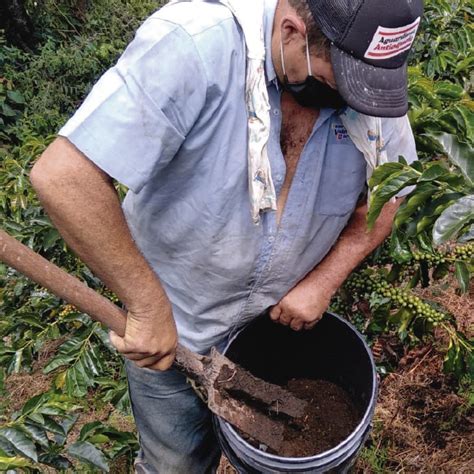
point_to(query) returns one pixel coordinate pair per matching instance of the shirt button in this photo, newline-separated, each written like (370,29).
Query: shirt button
(276,111)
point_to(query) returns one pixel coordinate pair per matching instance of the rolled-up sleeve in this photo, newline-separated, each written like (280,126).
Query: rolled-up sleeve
(138,114)
(399,141)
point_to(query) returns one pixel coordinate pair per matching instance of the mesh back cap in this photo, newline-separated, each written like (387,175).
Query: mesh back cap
(370,43)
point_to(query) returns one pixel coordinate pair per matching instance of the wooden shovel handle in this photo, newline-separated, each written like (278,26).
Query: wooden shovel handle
(73,291)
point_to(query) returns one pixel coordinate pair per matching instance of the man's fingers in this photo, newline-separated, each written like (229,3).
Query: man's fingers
(285,319)
(141,359)
(117,341)
(164,363)
(136,355)
(157,362)
(121,345)
(275,312)
(296,324)
(148,362)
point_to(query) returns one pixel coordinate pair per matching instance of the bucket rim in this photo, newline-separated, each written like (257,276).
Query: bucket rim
(360,428)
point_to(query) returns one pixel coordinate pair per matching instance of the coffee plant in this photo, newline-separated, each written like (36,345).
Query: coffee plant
(434,226)
(432,237)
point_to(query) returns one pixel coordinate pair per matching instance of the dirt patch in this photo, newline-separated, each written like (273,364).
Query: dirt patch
(121,422)
(424,424)
(329,418)
(225,467)
(23,386)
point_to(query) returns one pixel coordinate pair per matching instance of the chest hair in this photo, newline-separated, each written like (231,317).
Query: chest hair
(296,128)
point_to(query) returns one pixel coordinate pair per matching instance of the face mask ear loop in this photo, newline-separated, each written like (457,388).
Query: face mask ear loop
(282,60)
(310,73)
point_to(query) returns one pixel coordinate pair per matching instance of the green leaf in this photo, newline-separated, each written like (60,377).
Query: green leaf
(16,97)
(14,462)
(469,235)
(88,453)
(394,273)
(462,274)
(67,423)
(60,463)
(417,166)
(461,154)
(89,429)
(433,173)
(58,361)
(7,111)
(465,64)
(37,418)
(424,240)
(453,362)
(453,220)
(414,280)
(465,118)
(383,172)
(405,319)
(387,189)
(33,403)
(77,381)
(470,363)
(441,271)
(418,197)
(448,91)
(50,238)
(402,160)
(398,250)
(99,439)
(37,433)
(16,362)
(20,441)
(53,426)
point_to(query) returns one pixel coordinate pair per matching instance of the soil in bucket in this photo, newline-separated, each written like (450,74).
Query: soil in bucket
(331,417)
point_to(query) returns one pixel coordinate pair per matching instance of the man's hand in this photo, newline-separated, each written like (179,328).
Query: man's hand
(303,306)
(150,339)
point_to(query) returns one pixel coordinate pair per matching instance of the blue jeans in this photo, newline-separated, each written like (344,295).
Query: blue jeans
(174,425)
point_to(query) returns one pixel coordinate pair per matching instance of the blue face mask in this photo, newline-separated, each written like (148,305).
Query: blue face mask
(311,92)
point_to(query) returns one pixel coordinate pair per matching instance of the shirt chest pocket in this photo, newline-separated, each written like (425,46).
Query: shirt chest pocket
(342,180)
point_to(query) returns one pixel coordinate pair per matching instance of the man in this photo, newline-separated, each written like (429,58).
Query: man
(183,254)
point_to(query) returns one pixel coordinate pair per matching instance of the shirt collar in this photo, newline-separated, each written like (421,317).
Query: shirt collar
(268,18)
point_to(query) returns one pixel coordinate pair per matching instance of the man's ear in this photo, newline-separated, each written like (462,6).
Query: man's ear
(293,29)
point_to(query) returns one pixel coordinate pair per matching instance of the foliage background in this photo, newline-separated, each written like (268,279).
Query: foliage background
(75,412)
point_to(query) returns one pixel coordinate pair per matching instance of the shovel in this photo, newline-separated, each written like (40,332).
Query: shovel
(260,409)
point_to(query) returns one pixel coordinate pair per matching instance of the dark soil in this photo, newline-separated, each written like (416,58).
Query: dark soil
(330,417)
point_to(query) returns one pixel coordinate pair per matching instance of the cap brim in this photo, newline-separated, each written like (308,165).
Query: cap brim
(368,89)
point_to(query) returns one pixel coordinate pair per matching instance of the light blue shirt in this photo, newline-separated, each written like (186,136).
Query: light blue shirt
(169,121)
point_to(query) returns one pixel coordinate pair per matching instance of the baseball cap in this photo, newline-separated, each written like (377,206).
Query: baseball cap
(370,42)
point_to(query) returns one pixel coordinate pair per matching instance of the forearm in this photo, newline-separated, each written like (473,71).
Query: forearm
(84,206)
(353,246)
